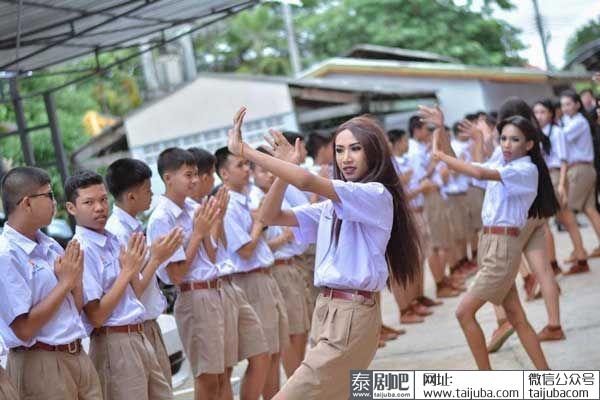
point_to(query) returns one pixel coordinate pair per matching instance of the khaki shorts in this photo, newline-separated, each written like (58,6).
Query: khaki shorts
(152,332)
(344,336)
(244,336)
(498,258)
(457,216)
(307,267)
(127,367)
(7,390)
(53,375)
(437,220)
(533,236)
(201,326)
(424,234)
(582,187)
(264,296)
(293,288)
(474,205)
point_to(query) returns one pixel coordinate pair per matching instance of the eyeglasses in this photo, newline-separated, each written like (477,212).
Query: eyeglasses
(49,195)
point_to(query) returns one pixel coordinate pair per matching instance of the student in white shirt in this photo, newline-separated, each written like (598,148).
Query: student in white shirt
(123,356)
(198,308)
(128,180)
(365,224)
(7,390)
(518,186)
(244,336)
(558,164)
(253,260)
(42,296)
(581,174)
(286,272)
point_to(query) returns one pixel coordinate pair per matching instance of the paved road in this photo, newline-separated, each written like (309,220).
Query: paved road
(439,344)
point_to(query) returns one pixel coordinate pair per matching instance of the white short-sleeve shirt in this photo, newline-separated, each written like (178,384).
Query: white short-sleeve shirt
(101,269)
(26,278)
(576,130)
(409,162)
(238,225)
(168,215)
(558,151)
(123,225)
(507,202)
(358,261)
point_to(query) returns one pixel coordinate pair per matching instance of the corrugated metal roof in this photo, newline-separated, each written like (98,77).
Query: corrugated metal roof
(371,51)
(54,31)
(438,70)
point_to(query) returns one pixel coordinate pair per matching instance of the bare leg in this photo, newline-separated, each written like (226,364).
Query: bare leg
(550,245)
(272,383)
(500,314)
(594,218)
(292,356)
(225,384)
(539,263)
(206,387)
(465,313)
(567,218)
(255,377)
(516,316)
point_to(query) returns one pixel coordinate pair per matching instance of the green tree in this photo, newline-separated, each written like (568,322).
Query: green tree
(584,35)
(255,40)
(114,93)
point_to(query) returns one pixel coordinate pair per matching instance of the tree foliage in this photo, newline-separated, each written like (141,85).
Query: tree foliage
(586,34)
(255,41)
(114,93)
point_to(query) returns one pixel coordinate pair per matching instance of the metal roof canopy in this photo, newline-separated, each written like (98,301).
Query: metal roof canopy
(37,34)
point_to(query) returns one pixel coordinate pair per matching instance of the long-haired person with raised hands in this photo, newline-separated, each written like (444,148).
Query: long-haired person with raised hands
(365,236)
(518,187)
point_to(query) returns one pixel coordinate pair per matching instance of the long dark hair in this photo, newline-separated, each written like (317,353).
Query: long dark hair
(517,106)
(403,252)
(576,99)
(548,105)
(545,204)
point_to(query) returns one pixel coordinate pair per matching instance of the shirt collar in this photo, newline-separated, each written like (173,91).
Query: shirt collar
(520,160)
(169,206)
(98,238)
(133,223)
(26,244)
(240,198)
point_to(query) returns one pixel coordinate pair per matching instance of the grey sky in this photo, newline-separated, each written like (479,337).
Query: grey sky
(562,18)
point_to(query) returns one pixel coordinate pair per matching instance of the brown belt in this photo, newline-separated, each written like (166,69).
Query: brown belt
(71,348)
(261,270)
(418,210)
(284,261)
(196,285)
(553,169)
(456,194)
(502,230)
(133,328)
(580,163)
(348,294)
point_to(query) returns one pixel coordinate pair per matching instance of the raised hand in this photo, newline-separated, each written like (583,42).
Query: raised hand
(281,148)
(471,129)
(222,199)
(164,247)
(234,135)
(205,216)
(432,115)
(132,257)
(69,267)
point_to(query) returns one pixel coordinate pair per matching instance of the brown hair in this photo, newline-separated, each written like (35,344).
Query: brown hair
(403,252)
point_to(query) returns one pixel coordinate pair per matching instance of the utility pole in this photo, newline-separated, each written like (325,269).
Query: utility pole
(291,36)
(540,27)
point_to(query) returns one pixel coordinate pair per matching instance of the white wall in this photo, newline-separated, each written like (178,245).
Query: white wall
(495,93)
(457,96)
(204,104)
